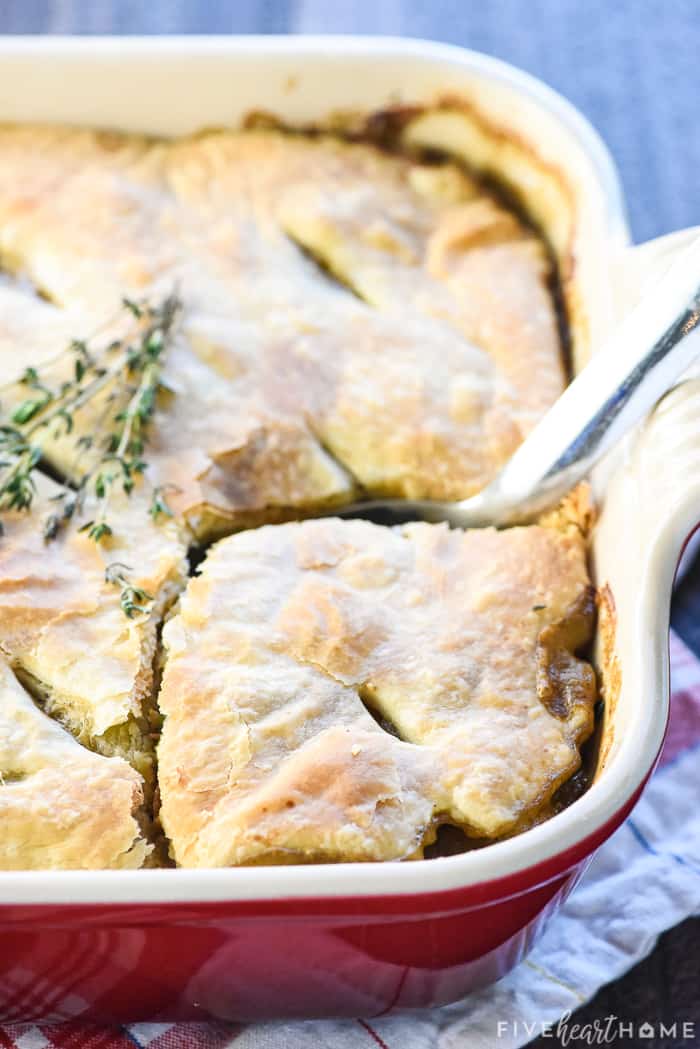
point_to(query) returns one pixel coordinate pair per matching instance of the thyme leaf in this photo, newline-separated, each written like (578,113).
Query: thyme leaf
(18,458)
(159,504)
(133,600)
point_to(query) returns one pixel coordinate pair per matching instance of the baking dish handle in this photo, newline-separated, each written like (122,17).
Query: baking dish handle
(666,448)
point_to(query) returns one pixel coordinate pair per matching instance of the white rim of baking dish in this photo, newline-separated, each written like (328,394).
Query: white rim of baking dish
(637,752)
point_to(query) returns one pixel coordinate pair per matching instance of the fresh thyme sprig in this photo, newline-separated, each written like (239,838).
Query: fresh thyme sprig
(130,369)
(133,600)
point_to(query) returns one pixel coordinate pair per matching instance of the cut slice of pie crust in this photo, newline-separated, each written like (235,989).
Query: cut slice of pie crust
(63,628)
(61,806)
(464,645)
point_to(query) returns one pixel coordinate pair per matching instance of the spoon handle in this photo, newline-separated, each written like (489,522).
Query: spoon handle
(653,345)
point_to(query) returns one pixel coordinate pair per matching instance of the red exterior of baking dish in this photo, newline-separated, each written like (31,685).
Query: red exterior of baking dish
(245,960)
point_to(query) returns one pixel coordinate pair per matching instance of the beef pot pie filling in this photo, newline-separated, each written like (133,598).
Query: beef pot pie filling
(331,690)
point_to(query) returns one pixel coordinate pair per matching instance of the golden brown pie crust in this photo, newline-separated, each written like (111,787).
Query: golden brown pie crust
(465,642)
(417,371)
(353,321)
(60,804)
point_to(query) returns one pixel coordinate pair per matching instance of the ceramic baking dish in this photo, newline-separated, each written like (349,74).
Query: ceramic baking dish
(365,939)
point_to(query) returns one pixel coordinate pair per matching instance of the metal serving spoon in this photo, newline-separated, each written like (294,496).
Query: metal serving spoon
(655,344)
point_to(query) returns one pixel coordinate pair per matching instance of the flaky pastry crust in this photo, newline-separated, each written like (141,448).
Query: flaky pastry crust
(61,806)
(416,372)
(64,631)
(353,321)
(290,633)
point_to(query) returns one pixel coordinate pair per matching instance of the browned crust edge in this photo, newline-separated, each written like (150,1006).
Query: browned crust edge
(609,671)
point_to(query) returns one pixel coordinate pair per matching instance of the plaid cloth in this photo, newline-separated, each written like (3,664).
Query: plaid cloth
(645,879)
